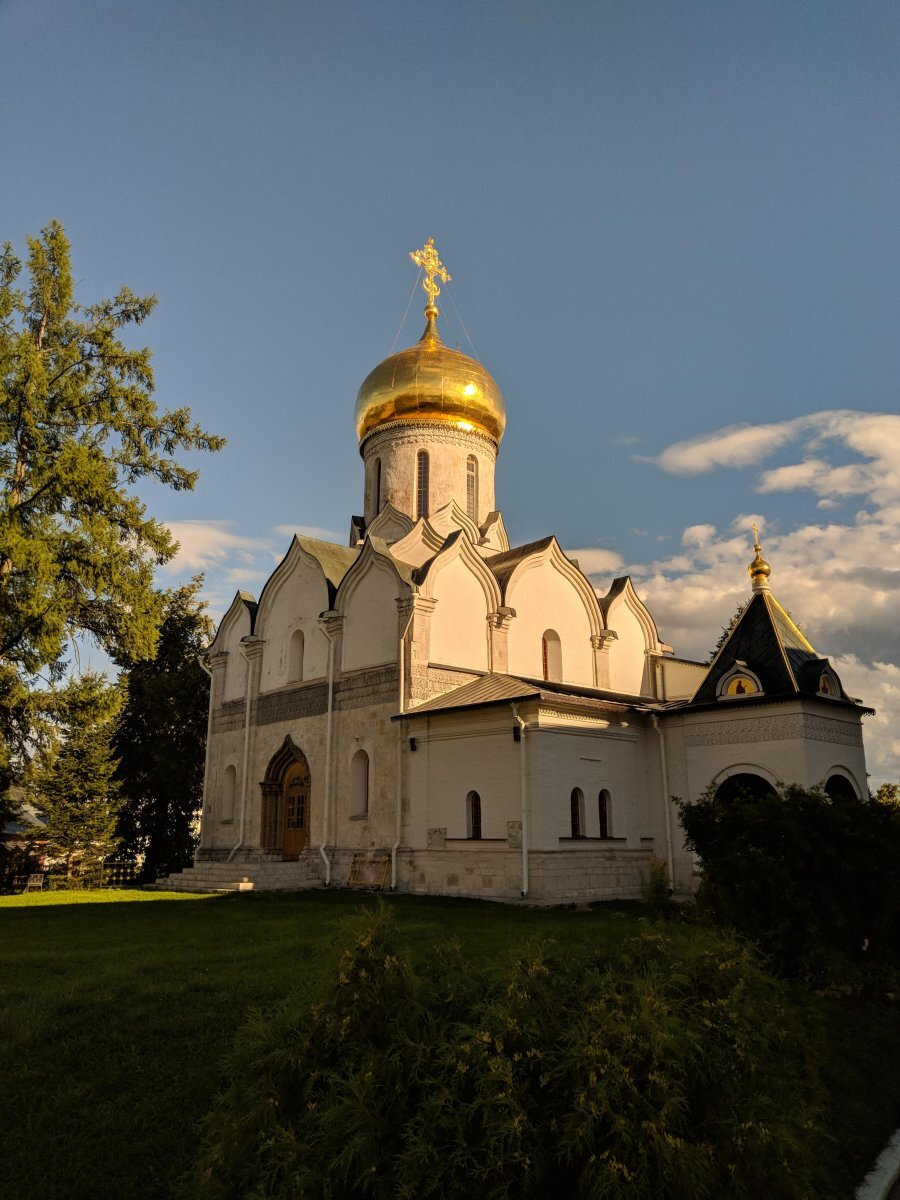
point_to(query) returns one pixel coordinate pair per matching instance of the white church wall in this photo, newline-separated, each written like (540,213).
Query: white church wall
(627,660)
(370,626)
(293,602)
(457,754)
(591,760)
(459,632)
(545,599)
(369,729)
(657,797)
(218,829)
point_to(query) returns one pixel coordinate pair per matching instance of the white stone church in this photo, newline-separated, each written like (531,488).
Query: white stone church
(433,710)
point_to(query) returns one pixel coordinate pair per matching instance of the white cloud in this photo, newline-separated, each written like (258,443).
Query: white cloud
(799,475)
(698,535)
(595,561)
(839,577)
(205,544)
(735,446)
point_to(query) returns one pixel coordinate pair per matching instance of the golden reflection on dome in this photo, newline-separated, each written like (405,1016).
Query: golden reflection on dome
(431,382)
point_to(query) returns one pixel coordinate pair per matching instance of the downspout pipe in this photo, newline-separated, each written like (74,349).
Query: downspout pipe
(323,851)
(246,762)
(398,814)
(523,797)
(201,660)
(667,806)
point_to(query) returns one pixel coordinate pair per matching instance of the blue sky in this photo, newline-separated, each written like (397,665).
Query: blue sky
(664,221)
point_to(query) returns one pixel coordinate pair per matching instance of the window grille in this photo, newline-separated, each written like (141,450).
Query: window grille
(473,816)
(422,484)
(472,487)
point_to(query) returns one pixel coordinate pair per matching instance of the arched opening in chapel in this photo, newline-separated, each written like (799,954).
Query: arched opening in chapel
(742,785)
(839,787)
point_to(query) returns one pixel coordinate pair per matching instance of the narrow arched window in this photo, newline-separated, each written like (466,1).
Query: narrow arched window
(472,487)
(422,484)
(229,791)
(577,807)
(377,486)
(551,655)
(473,816)
(295,656)
(604,807)
(359,784)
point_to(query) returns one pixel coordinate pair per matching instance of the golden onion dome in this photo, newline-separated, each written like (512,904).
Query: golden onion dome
(431,382)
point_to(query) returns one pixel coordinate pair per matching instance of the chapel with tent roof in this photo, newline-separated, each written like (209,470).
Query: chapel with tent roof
(433,710)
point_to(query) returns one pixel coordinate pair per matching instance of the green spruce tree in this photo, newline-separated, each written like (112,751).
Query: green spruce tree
(78,428)
(73,779)
(161,738)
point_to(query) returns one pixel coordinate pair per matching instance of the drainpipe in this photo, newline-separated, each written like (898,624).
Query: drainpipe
(398,818)
(201,659)
(666,803)
(523,798)
(327,830)
(244,769)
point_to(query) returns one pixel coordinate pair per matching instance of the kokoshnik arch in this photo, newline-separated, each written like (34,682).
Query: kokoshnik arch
(433,709)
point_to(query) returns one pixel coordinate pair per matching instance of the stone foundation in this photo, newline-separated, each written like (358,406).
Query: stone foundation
(479,869)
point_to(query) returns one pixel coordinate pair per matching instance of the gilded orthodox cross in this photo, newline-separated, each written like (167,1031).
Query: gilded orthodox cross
(427,259)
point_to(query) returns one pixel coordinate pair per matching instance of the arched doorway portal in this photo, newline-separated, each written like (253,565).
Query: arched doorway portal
(285,802)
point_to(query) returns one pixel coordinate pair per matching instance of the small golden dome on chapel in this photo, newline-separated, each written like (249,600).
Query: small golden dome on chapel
(759,569)
(430,381)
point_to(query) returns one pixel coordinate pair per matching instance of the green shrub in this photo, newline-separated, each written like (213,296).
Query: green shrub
(813,880)
(656,892)
(664,1072)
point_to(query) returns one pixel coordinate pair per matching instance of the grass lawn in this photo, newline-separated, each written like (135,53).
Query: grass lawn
(118,1007)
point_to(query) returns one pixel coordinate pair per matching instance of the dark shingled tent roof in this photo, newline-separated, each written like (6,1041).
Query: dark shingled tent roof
(767,641)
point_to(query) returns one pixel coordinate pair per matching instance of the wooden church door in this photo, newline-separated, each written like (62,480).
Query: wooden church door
(296,810)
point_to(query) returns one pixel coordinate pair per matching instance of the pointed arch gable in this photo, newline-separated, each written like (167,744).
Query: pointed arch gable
(374,555)
(297,555)
(391,524)
(493,534)
(465,592)
(631,652)
(420,544)
(367,600)
(550,553)
(621,593)
(451,517)
(237,623)
(457,547)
